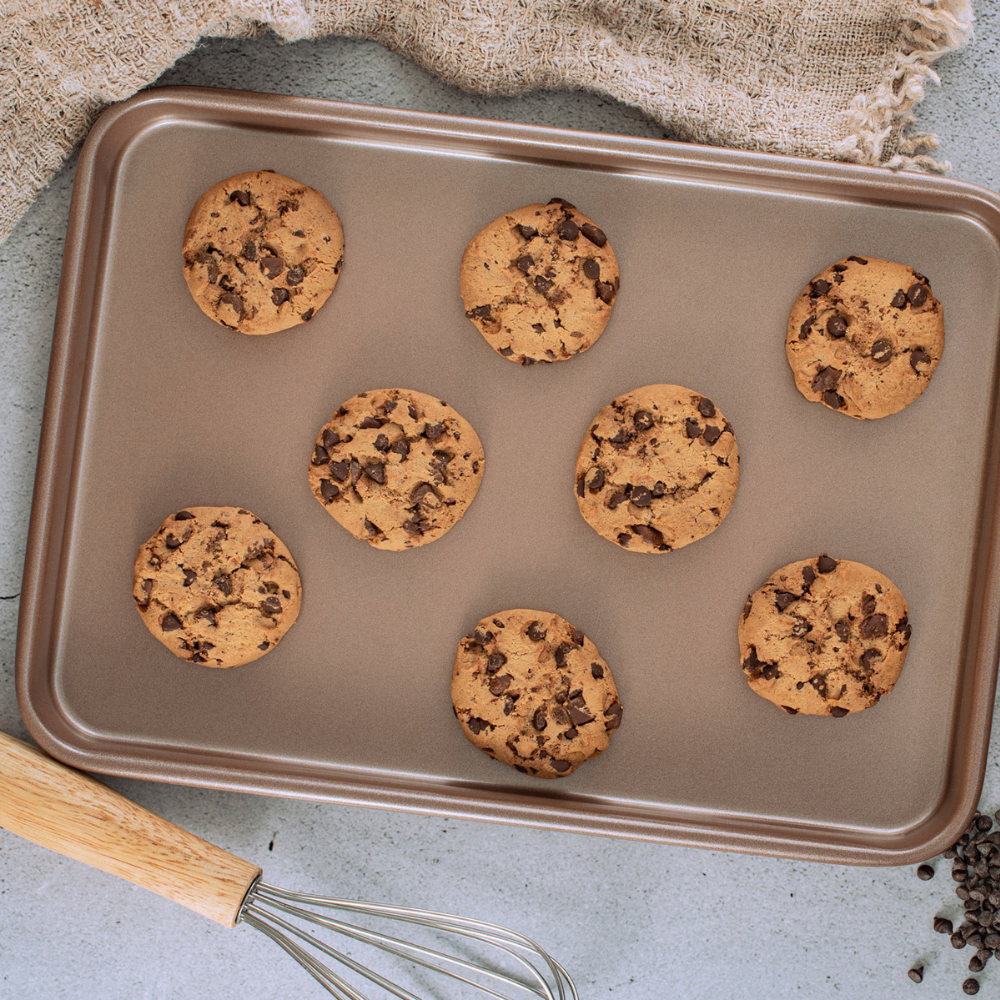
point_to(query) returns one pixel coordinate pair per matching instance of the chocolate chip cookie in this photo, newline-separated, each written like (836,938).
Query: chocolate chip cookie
(824,637)
(396,468)
(540,282)
(658,469)
(262,252)
(865,337)
(216,586)
(533,692)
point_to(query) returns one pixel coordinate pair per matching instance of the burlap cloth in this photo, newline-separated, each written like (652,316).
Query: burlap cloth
(831,78)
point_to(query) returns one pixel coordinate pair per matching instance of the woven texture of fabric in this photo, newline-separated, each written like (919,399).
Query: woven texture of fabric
(836,79)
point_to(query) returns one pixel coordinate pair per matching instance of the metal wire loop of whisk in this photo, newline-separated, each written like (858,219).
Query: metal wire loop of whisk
(267,908)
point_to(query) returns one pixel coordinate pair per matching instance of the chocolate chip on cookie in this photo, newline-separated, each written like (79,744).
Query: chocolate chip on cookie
(658,469)
(397,468)
(865,336)
(540,282)
(533,692)
(262,252)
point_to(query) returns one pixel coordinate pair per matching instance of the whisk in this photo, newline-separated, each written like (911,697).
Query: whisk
(71,813)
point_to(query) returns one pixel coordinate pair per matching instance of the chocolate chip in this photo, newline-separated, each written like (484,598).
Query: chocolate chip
(542,283)
(919,357)
(500,684)
(925,872)
(613,716)
(596,483)
(881,350)
(595,235)
(369,422)
(420,491)
(559,765)
(279,295)
(189,577)
(605,291)
(224,583)
(770,672)
(819,287)
(592,269)
(183,515)
(874,627)
(270,606)
(826,378)
(917,974)
(843,630)
(641,496)
(806,327)
(320,455)
(577,637)
(942,925)
(172,542)
(539,721)
(868,657)
(808,575)
(859,260)
(561,650)
(917,294)
(782,599)
(790,710)
(527,232)
(242,197)
(372,528)
(525,263)
(376,473)
(495,662)
(836,327)
(235,301)
(692,428)
(476,725)
(401,448)
(833,399)
(295,275)
(568,230)
(208,615)
(433,431)
(535,632)
(618,498)
(328,490)
(272,267)
(596,671)
(837,712)
(957,941)
(712,433)
(970,986)
(479,312)
(382,443)
(577,713)
(706,407)
(308,315)
(170,623)
(340,471)
(560,715)
(649,535)
(867,604)
(898,300)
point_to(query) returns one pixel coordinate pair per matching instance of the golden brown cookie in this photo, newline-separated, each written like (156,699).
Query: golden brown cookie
(533,692)
(216,586)
(865,337)
(396,468)
(824,637)
(658,469)
(540,282)
(262,252)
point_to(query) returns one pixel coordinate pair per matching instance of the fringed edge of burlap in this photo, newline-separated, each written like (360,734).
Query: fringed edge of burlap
(883,120)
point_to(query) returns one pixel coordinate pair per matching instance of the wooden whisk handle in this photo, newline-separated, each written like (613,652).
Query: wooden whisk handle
(71,813)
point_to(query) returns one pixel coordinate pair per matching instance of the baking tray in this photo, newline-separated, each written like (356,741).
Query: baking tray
(151,407)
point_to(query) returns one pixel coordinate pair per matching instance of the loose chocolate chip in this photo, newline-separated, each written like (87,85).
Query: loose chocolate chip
(917,974)
(613,716)
(925,872)
(340,470)
(691,428)
(595,235)
(328,490)
(382,443)
(881,350)
(189,577)
(495,662)
(837,712)
(899,300)
(649,535)
(596,483)
(279,295)
(819,287)
(401,448)
(170,623)
(959,874)
(712,433)
(527,232)
(559,765)
(295,275)
(535,632)
(782,599)
(172,542)
(596,671)
(241,197)
(970,986)
(917,294)
(836,327)
(539,721)
(875,627)
(568,230)
(500,684)
(592,269)
(525,263)
(859,260)
(235,301)
(825,564)
(272,267)
(641,496)
(320,455)
(919,357)
(942,925)
(826,378)
(479,312)
(957,941)
(605,291)
(706,407)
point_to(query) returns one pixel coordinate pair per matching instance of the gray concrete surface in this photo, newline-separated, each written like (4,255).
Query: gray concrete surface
(633,920)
